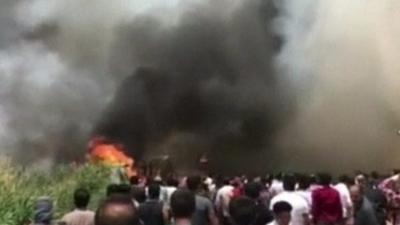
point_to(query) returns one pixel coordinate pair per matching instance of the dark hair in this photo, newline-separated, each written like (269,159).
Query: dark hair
(281,207)
(193,183)
(252,190)
(374,175)
(171,181)
(134,180)
(344,179)
(183,204)
(226,181)
(325,179)
(154,191)
(304,181)
(106,216)
(139,194)
(289,182)
(313,179)
(242,211)
(81,198)
(278,176)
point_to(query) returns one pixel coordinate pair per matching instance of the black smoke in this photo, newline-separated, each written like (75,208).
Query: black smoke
(206,84)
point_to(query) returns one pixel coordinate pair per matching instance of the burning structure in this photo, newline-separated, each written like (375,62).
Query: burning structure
(300,84)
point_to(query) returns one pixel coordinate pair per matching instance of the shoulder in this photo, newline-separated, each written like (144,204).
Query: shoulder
(203,200)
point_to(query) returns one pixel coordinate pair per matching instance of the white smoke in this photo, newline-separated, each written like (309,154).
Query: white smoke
(343,56)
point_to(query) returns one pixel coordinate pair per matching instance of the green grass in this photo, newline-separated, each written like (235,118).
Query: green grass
(20,187)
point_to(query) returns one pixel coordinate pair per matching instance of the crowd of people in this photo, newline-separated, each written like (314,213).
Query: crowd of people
(283,199)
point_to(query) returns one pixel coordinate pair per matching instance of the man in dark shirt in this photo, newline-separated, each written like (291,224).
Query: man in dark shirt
(242,211)
(204,213)
(151,211)
(182,207)
(326,205)
(364,213)
(377,198)
(263,215)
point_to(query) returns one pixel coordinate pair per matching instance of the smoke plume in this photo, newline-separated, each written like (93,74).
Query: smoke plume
(292,84)
(343,54)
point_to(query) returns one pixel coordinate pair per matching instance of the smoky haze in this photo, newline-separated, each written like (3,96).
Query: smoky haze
(207,85)
(258,85)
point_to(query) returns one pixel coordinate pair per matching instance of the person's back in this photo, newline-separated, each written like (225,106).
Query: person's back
(43,211)
(182,207)
(344,194)
(81,215)
(304,188)
(151,211)
(276,185)
(263,215)
(379,203)
(222,199)
(300,211)
(326,203)
(204,212)
(242,211)
(167,191)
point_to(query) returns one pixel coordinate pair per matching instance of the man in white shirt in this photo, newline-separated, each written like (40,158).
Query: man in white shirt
(282,213)
(222,200)
(81,215)
(167,191)
(344,193)
(300,208)
(304,188)
(276,185)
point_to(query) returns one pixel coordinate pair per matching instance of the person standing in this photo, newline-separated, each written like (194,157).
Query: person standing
(151,211)
(300,208)
(183,205)
(326,204)
(242,211)
(80,215)
(391,188)
(43,211)
(342,188)
(263,215)
(222,199)
(363,212)
(276,185)
(304,188)
(204,213)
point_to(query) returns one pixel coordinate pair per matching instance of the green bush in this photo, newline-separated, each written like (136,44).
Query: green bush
(21,187)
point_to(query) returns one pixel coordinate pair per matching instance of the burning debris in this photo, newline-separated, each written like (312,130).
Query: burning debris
(111,154)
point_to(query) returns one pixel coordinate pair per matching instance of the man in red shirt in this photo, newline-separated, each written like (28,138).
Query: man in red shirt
(326,205)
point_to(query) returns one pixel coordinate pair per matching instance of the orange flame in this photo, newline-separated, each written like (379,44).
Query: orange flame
(111,154)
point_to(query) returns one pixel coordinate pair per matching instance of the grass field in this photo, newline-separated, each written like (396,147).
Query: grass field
(20,187)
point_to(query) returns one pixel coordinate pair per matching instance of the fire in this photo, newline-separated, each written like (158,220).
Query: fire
(111,154)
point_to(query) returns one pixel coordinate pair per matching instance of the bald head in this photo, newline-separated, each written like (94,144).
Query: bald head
(117,210)
(356,194)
